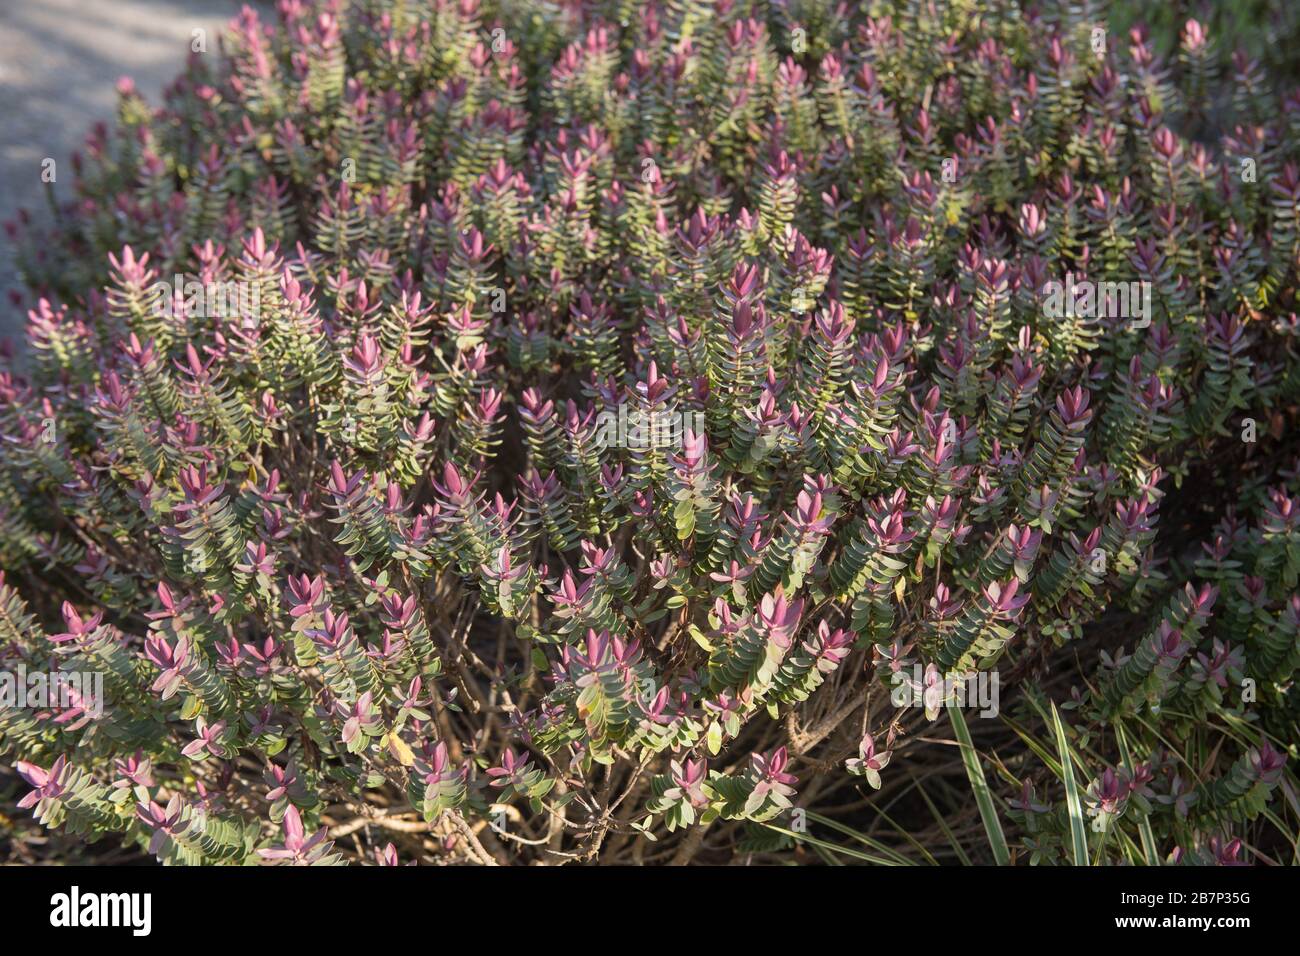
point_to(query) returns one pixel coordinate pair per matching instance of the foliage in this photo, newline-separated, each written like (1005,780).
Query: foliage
(359,560)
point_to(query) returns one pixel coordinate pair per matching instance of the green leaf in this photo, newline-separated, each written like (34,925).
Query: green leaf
(1078,829)
(684,517)
(1144,825)
(833,848)
(980,787)
(876,845)
(943,825)
(698,637)
(715,738)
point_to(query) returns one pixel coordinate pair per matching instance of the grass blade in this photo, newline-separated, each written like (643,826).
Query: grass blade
(861,838)
(980,786)
(1078,829)
(902,831)
(943,825)
(817,844)
(1144,826)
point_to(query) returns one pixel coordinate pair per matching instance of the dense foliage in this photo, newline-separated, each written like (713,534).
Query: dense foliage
(361,561)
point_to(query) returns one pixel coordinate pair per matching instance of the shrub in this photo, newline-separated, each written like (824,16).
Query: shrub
(530,433)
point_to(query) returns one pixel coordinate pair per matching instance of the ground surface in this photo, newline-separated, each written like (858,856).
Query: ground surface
(59,63)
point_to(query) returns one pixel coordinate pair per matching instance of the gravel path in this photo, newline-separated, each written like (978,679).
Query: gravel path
(59,63)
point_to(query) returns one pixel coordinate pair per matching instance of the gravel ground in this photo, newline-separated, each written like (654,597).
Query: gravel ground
(59,63)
